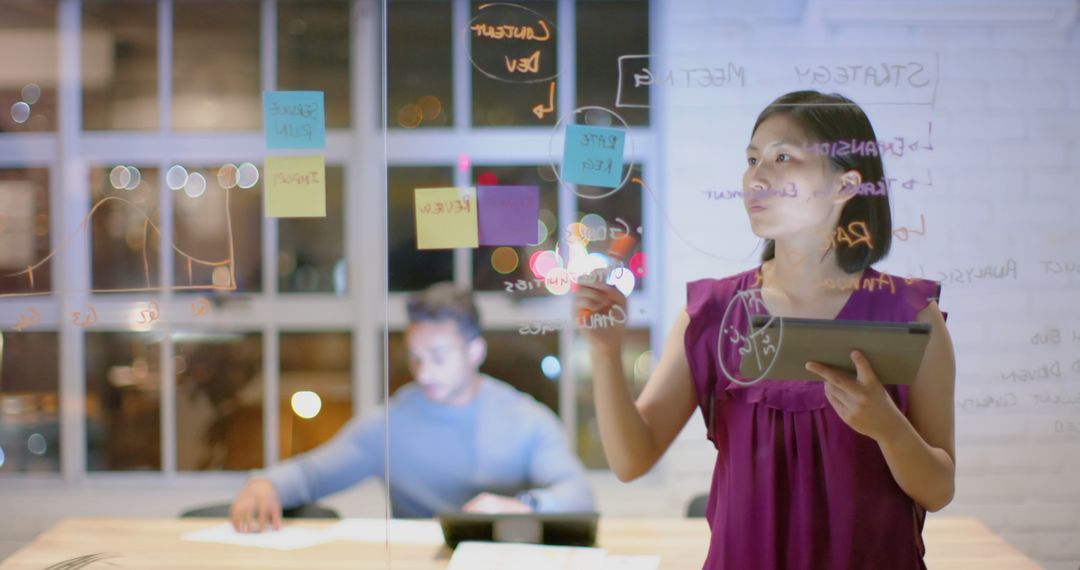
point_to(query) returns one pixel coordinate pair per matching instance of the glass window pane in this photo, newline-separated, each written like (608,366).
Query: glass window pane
(412,269)
(219,397)
(29,402)
(29,67)
(604,222)
(313,53)
(125,243)
(607,30)
(638,363)
(216,78)
(512,77)
(24,231)
(311,251)
(123,401)
(316,394)
(419,65)
(516,359)
(204,234)
(495,267)
(119,65)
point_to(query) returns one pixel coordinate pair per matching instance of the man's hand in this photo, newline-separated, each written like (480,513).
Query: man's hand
(495,504)
(256,507)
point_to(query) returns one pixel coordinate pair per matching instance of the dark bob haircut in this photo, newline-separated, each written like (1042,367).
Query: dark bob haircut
(830,119)
(445,302)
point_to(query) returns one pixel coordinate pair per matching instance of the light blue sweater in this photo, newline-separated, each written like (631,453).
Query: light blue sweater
(502,442)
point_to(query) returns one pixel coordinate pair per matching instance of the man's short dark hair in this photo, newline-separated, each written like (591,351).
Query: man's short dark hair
(445,302)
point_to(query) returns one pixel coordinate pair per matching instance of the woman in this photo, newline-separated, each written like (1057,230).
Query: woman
(832,474)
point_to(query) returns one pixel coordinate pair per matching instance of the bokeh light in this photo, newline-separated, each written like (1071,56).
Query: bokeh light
(31,93)
(541,232)
(247,175)
(20,112)
(551,367)
(487,179)
(430,107)
(623,279)
(637,263)
(410,116)
(543,261)
(306,404)
(557,281)
(504,260)
(227,176)
(36,444)
(196,185)
(134,178)
(119,177)
(595,228)
(177,177)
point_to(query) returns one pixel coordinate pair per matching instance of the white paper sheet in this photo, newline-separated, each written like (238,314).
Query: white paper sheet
(288,538)
(401,531)
(619,562)
(502,555)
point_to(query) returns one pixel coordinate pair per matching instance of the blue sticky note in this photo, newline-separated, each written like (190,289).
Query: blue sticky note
(294,119)
(593,156)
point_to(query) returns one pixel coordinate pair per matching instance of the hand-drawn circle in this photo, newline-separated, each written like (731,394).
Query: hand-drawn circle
(487,73)
(558,171)
(741,297)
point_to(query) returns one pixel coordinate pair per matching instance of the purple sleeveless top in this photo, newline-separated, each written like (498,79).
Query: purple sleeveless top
(794,486)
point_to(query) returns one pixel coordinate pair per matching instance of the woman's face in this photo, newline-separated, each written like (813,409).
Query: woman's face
(790,191)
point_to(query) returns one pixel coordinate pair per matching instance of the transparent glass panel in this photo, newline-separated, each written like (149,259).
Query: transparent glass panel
(316,388)
(29,50)
(125,239)
(514,63)
(29,402)
(311,252)
(24,231)
(502,268)
(638,363)
(123,401)
(419,64)
(119,65)
(410,268)
(606,31)
(216,78)
(219,401)
(313,53)
(218,229)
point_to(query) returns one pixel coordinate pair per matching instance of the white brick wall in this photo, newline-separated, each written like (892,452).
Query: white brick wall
(1006,173)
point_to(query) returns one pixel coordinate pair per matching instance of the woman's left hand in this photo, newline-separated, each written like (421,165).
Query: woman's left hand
(862,402)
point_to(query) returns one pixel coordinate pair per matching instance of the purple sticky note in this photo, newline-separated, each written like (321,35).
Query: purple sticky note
(507,214)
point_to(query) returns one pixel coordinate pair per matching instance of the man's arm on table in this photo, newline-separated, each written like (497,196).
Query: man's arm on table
(352,455)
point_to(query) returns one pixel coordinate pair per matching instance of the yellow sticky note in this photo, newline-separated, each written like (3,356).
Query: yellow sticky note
(295,186)
(446,218)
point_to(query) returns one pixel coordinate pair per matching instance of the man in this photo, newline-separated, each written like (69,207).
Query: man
(459,439)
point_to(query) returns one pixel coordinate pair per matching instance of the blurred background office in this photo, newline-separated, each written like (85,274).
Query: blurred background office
(131,146)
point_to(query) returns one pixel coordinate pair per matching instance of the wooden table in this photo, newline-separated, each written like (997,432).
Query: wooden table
(952,544)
